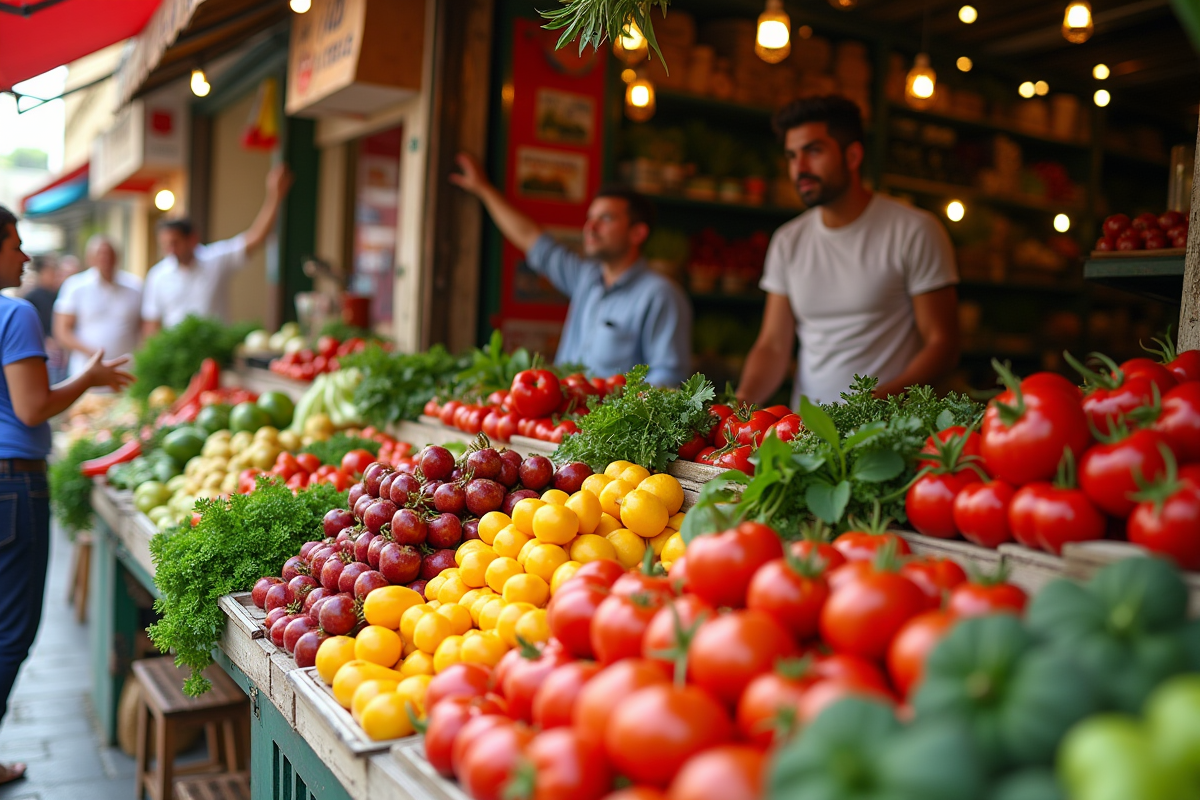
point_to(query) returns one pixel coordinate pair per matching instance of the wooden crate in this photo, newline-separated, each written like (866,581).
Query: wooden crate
(244,640)
(532,447)
(280,689)
(135,535)
(965,554)
(315,722)
(315,698)
(411,757)
(387,779)
(1083,559)
(1031,569)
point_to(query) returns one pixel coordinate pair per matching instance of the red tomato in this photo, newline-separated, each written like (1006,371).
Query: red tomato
(1107,471)
(1179,421)
(981,513)
(830,556)
(356,462)
(779,412)
(728,772)
(543,429)
(1065,515)
(846,668)
(669,631)
(535,393)
(973,599)
(620,623)
(604,572)
(933,576)
(554,702)
(308,462)
(738,458)
(599,696)
(285,466)
(912,645)
(459,680)
(298,481)
(1172,527)
(759,709)
(792,593)
(443,722)
(506,426)
(570,613)
(690,450)
(1186,366)
(472,421)
(863,615)
(567,768)
(563,429)
(525,677)
(654,731)
(615,382)
(930,502)
(1020,514)
(1106,405)
(525,426)
(469,734)
(721,566)
(491,423)
(823,694)
(1151,370)
(970,447)
(864,545)
(788,427)
(448,411)
(731,650)
(754,428)
(1025,431)
(492,761)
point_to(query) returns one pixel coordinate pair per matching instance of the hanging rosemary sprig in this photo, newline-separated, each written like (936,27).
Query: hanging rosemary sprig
(593,21)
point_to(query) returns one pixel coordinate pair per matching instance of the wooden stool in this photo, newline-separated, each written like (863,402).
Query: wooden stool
(233,786)
(217,710)
(78,590)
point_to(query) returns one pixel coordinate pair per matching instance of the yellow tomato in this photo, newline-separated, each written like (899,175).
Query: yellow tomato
(452,590)
(528,589)
(417,663)
(485,594)
(526,549)
(492,523)
(544,559)
(433,604)
(469,598)
(486,648)
(506,623)
(466,547)
(378,645)
(563,574)
(674,547)
(435,584)
(615,469)
(430,631)
(532,627)
(675,523)
(608,524)
(555,524)
(474,566)
(660,541)
(368,691)
(408,620)
(592,547)
(556,497)
(387,604)
(613,494)
(500,571)
(447,652)
(386,717)
(459,616)
(594,484)
(510,541)
(630,547)
(332,654)
(587,507)
(491,612)
(667,489)
(412,689)
(523,514)
(634,474)
(642,513)
(351,676)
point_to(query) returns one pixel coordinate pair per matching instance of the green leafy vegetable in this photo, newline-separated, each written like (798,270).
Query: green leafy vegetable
(641,424)
(236,542)
(342,331)
(70,492)
(396,386)
(333,449)
(172,356)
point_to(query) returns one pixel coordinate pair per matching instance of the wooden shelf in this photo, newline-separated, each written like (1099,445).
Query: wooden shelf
(959,192)
(988,126)
(1156,277)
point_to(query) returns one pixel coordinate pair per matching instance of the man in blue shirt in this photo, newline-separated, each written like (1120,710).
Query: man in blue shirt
(27,402)
(622,314)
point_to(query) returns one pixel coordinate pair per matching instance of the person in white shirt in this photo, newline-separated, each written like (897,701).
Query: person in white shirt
(868,284)
(193,278)
(99,309)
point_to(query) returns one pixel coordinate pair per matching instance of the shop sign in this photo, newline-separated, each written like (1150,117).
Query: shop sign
(354,57)
(148,136)
(148,46)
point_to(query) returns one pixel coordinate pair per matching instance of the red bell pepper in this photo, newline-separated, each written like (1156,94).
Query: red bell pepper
(98,466)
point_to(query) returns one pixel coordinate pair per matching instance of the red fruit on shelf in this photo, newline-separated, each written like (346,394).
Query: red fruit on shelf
(1131,243)
(1145,222)
(1115,224)
(1171,219)
(1106,244)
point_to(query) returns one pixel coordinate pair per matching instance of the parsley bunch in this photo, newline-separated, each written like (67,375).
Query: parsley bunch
(71,492)
(396,386)
(642,424)
(236,542)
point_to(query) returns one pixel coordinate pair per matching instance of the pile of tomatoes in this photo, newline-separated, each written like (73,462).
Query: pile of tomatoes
(539,405)
(683,684)
(300,470)
(737,433)
(1144,232)
(304,365)
(1054,464)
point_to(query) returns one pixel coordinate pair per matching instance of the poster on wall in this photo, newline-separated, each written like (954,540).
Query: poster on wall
(552,169)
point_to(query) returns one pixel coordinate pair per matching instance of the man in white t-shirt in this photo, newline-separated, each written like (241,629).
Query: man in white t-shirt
(865,282)
(99,309)
(194,278)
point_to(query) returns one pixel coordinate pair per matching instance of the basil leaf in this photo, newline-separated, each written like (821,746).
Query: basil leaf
(878,466)
(827,501)
(820,423)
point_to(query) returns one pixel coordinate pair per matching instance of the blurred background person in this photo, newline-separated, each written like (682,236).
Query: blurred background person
(98,309)
(41,293)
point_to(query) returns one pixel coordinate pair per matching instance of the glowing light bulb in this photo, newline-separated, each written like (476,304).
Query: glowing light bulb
(955,211)
(773,41)
(630,46)
(301,6)
(921,83)
(968,14)
(200,85)
(964,64)
(1077,22)
(1102,97)
(639,100)
(804,31)
(164,200)
(843,5)
(1100,72)
(1062,223)
(1026,89)
(1041,88)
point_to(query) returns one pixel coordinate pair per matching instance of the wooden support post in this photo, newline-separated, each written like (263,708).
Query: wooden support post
(1189,312)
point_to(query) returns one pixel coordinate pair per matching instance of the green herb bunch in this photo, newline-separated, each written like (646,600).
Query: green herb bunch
(396,386)
(236,542)
(334,449)
(172,356)
(71,492)
(642,424)
(343,330)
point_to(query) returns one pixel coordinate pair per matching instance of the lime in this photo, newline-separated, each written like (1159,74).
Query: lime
(150,494)
(213,418)
(184,444)
(247,417)
(279,408)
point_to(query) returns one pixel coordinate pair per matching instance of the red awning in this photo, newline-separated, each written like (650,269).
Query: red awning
(38,35)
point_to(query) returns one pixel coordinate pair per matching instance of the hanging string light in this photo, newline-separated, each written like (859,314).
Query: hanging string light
(921,83)
(843,5)
(1077,22)
(639,99)
(773,39)
(631,47)
(200,85)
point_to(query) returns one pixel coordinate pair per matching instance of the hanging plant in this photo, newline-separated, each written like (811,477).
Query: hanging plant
(593,21)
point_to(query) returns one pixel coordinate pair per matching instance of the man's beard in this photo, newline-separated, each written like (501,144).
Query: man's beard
(602,253)
(824,194)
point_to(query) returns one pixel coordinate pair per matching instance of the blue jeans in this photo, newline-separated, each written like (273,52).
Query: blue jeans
(24,556)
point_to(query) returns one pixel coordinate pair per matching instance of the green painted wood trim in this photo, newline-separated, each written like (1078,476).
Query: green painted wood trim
(1149,266)
(298,239)
(112,630)
(267,58)
(1188,12)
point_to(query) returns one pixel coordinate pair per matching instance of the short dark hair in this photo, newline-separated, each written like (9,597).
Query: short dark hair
(6,218)
(640,208)
(39,264)
(841,116)
(182,226)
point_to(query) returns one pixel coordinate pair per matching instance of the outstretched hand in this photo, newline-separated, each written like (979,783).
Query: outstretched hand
(107,373)
(279,180)
(472,177)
